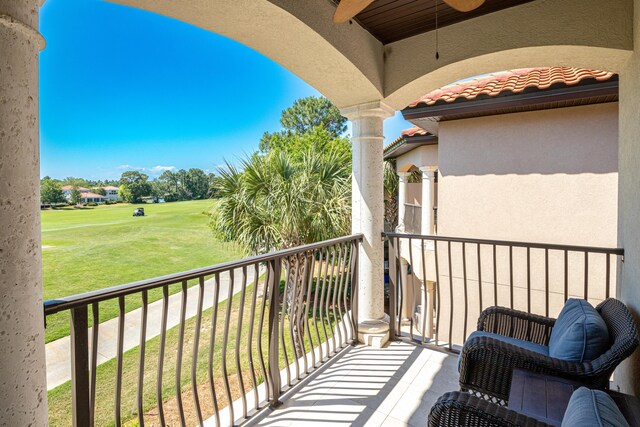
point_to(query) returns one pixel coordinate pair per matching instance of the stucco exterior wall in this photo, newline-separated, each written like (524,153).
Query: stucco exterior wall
(545,176)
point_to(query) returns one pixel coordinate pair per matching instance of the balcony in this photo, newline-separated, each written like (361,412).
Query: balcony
(276,334)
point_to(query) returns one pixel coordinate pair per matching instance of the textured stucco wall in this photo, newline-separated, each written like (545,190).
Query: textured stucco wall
(543,176)
(426,155)
(22,358)
(628,376)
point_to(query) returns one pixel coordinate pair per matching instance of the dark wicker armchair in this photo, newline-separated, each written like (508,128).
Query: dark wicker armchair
(457,409)
(486,364)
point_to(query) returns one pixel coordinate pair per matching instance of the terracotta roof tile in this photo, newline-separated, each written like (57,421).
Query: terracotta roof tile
(514,81)
(415,130)
(407,133)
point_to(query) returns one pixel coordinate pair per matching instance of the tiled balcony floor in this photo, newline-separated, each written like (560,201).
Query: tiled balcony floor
(393,386)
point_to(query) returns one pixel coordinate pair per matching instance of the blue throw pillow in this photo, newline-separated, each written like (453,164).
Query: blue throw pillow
(592,408)
(579,334)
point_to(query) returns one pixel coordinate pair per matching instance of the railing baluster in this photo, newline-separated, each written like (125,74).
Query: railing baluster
(307,305)
(354,291)
(393,276)
(212,345)
(466,297)
(438,300)
(336,329)
(316,290)
(183,310)
(451,299)
(528,280)
(546,282)
(296,326)
(243,292)
(163,342)
(143,342)
(566,275)
(399,289)
(94,362)
(300,317)
(608,276)
(331,291)
(252,368)
(282,314)
(425,296)
(321,312)
(586,275)
(343,275)
(225,346)
(413,288)
(480,305)
(266,291)
(345,301)
(511,277)
(80,367)
(120,346)
(274,308)
(495,276)
(196,345)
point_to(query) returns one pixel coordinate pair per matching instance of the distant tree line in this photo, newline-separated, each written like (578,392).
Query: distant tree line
(134,186)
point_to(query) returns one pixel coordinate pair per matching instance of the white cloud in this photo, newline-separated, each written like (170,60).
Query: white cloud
(160,169)
(154,170)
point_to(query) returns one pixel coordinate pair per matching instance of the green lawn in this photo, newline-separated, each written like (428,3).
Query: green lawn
(93,248)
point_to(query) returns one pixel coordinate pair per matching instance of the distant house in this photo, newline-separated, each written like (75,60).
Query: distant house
(86,196)
(111,193)
(90,197)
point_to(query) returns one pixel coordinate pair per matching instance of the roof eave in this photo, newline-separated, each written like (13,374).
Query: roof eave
(518,100)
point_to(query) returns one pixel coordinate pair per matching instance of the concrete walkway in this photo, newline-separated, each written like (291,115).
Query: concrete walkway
(59,351)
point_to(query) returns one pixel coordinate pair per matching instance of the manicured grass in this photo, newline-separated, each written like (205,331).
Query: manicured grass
(94,248)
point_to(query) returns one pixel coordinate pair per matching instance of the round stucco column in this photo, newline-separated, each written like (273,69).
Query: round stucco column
(368,217)
(428,199)
(403,178)
(22,354)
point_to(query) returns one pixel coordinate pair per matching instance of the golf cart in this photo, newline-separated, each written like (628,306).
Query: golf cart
(138,212)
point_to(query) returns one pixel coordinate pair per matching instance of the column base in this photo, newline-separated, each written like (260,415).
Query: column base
(374,333)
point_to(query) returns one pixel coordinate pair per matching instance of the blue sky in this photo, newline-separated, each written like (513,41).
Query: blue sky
(123,89)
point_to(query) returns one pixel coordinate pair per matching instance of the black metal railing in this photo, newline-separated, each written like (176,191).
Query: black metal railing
(298,311)
(439,285)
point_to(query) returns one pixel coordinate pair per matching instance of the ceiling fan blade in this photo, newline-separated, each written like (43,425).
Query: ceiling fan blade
(347,9)
(464,5)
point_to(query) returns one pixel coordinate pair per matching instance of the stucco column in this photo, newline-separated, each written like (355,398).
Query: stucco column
(22,354)
(428,198)
(368,217)
(403,178)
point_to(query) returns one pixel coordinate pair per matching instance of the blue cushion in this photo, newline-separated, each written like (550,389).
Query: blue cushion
(579,334)
(592,408)
(538,348)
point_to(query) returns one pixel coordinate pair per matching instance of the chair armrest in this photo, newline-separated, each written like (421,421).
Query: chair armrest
(516,324)
(487,364)
(456,409)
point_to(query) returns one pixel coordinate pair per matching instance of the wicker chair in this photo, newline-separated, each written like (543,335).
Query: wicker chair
(486,364)
(458,409)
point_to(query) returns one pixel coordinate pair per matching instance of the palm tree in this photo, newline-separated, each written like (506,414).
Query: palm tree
(275,202)
(391,184)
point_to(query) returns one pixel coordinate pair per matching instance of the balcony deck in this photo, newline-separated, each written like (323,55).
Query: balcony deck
(364,386)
